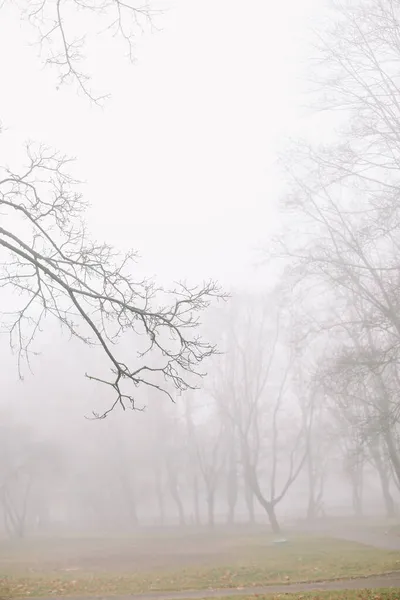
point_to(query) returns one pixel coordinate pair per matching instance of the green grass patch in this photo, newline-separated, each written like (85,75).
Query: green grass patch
(243,563)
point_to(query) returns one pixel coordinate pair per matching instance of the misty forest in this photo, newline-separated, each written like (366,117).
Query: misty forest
(199,297)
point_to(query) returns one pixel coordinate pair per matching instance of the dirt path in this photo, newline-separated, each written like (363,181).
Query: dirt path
(391,580)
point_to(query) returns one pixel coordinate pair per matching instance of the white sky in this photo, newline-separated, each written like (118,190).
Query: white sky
(180,162)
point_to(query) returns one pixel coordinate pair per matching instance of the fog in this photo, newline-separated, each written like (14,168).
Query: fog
(222,158)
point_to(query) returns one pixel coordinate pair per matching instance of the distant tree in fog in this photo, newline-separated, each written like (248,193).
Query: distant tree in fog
(359,399)
(210,454)
(344,230)
(191,455)
(26,467)
(253,388)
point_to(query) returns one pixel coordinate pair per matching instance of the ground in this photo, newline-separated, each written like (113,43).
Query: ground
(188,560)
(380,594)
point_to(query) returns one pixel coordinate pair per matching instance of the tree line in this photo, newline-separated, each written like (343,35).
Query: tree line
(319,353)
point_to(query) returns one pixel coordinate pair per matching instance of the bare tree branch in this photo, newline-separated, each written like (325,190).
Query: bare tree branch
(59,272)
(65,27)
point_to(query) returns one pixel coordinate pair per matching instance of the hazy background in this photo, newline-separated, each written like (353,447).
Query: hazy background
(182,156)
(180,164)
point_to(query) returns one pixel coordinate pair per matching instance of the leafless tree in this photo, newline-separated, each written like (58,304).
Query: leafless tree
(125,470)
(345,194)
(343,205)
(172,468)
(54,269)
(209,440)
(379,459)
(252,388)
(315,428)
(168,457)
(25,464)
(232,475)
(358,391)
(174,458)
(192,465)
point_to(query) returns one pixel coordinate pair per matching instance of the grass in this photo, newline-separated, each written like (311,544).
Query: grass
(373,524)
(130,566)
(390,528)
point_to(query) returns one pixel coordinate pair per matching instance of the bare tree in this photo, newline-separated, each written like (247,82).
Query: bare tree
(167,453)
(343,204)
(315,427)
(57,271)
(354,463)
(354,380)
(192,457)
(209,440)
(172,462)
(125,470)
(24,465)
(345,194)
(232,475)
(252,389)
(361,394)
(381,462)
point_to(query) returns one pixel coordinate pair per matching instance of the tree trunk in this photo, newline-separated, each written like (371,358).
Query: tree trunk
(232,475)
(15,520)
(270,508)
(394,457)
(387,430)
(387,497)
(210,509)
(249,497)
(128,491)
(384,480)
(357,502)
(160,495)
(42,517)
(357,489)
(174,489)
(232,491)
(196,502)
(312,505)
(311,508)
(354,467)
